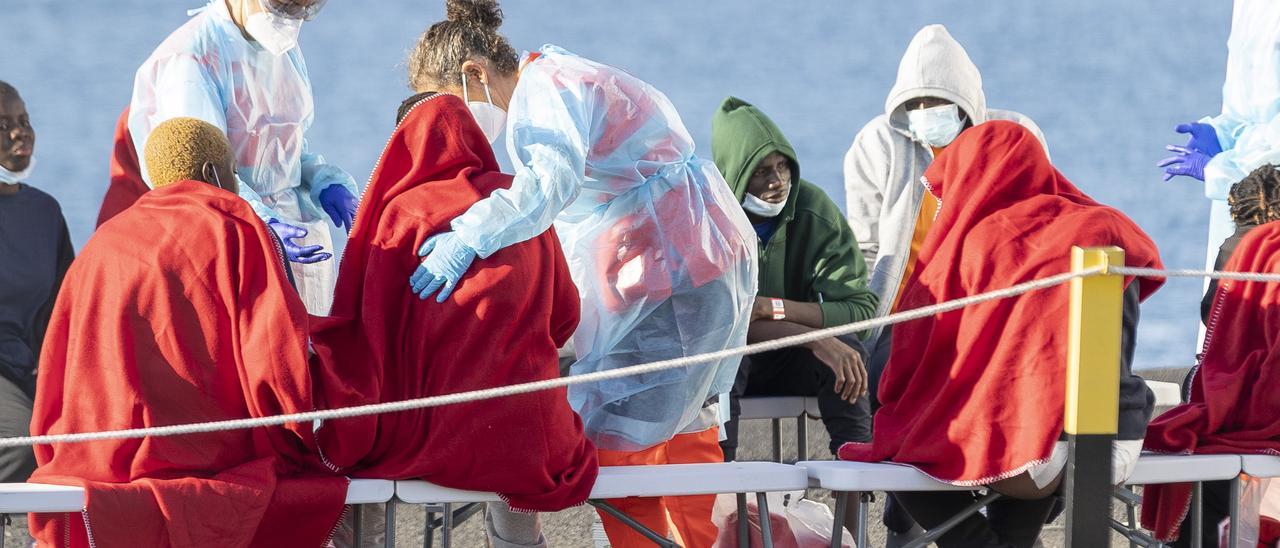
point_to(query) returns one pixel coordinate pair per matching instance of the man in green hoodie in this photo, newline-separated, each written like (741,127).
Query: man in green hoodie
(812,276)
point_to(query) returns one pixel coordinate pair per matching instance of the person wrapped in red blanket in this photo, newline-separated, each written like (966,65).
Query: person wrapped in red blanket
(179,310)
(975,396)
(126,177)
(1233,408)
(502,327)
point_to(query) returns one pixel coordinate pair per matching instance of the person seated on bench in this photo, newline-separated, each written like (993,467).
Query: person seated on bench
(975,396)
(501,327)
(811,276)
(1232,407)
(180,311)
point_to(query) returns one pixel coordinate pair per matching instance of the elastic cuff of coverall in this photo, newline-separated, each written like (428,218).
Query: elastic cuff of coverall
(471,239)
(327,176)
(1217,182)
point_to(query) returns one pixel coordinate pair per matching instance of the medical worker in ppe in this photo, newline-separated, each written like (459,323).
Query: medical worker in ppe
(236,64)
(1225,148)
(661,251)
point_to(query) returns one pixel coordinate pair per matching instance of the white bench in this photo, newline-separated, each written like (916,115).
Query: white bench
(1260,466)
(23,498)
(844,477)
(776,408)
(1153,469)
(1168,394)
(649,481)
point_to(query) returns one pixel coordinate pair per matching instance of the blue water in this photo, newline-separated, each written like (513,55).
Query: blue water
(1106,81)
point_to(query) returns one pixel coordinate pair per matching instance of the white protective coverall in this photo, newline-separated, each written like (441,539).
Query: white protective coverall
(883,167)
(208,70)
(1249,127)
(661,252)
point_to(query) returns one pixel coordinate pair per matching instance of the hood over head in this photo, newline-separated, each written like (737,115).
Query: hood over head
(936,65)
(741,136)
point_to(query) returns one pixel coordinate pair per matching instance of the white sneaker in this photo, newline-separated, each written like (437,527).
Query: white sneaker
(598,538)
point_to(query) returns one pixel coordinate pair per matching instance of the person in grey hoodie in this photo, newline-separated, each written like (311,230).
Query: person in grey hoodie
(882,168)
(938,93)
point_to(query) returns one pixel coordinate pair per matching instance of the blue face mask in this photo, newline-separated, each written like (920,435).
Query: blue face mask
(936,126)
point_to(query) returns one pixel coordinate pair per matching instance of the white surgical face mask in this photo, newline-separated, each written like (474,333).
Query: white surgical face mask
(276,34)
(936,126)
(14,177)
(490,118)
(760,207)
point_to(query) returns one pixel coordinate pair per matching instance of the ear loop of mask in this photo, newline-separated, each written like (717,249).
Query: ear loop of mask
(217,181)
(467,96)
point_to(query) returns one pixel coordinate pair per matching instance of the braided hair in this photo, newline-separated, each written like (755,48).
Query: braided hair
(1255,200)
(469,32)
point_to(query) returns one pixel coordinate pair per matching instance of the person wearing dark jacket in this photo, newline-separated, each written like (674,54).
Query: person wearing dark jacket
(35,251)
(811,276)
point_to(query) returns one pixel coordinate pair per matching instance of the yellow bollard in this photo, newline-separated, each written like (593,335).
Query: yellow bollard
(1093,394)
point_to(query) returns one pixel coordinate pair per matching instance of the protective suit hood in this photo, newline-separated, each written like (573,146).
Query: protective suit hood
(936,65)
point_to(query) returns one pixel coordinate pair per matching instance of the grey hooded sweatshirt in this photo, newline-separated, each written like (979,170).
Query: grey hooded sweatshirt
(882,169)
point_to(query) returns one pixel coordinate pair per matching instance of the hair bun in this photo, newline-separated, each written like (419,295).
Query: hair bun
(482,13)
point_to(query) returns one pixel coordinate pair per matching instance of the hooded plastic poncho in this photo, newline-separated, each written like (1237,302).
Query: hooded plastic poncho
(1249,127)
(661,252)
(208,70)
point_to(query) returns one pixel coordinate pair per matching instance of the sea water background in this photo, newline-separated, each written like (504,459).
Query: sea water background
(1105,80)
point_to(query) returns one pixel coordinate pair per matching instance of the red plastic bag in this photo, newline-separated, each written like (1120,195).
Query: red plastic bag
(795,522)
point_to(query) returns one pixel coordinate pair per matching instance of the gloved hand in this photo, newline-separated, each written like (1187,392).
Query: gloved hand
(295,253)
(338,202)
(447,259)
(1204,139)
(1187,162)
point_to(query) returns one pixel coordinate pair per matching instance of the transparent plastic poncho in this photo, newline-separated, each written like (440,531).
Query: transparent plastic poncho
(662,253)
(208,70)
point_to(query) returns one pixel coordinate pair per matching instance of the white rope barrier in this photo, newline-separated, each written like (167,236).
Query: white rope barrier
(503,391)
(1157,273)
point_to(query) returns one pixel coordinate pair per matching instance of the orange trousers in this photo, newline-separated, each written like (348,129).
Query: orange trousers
(691,515)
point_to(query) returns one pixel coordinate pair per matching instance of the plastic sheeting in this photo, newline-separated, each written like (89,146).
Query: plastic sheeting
(663,256)
(207,69)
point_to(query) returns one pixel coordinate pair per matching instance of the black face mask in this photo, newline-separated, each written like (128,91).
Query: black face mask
(408,104)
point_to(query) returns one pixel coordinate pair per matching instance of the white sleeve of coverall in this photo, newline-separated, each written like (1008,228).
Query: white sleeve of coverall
(1246,147)
(864,179)
(549,151)
(317,175)
(182,88)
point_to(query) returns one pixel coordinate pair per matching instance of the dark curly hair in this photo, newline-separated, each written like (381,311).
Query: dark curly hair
(469,32)
(1255,199)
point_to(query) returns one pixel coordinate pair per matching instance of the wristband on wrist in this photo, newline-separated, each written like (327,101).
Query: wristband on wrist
(779,311)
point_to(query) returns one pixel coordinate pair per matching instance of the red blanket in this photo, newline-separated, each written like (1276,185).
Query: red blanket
(178,311)
(1234,407)
(976,395)
(126,177)
(501,326)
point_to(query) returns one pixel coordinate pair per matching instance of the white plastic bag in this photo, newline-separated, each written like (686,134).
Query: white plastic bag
(1259,512)
(796,522)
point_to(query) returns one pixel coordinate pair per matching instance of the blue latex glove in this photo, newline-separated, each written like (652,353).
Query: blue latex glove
(295,253)
(447,259)
(338,202)
(1204,139)
(1186,162)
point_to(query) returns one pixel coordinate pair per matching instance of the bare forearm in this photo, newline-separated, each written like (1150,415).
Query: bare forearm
(768,330)
(806,314)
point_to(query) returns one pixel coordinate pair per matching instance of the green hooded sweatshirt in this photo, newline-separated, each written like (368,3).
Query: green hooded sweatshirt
(812,255)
